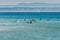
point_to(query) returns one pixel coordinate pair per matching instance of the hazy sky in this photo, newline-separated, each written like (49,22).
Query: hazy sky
(13,2)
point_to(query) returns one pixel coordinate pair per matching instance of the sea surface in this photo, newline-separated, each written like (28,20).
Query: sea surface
(29,25)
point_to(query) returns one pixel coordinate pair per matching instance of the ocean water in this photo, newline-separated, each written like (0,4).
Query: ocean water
(29,25)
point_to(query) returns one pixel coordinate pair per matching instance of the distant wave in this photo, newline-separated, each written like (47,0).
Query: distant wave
(36,9)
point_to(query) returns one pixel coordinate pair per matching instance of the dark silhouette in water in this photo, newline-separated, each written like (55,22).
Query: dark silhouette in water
(29,22)
(25,20)
(40,18)
(47,19)
(18,21)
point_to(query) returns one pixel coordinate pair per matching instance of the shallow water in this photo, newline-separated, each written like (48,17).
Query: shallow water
(18,27)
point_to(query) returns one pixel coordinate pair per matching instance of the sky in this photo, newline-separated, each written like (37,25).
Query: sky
(14,2)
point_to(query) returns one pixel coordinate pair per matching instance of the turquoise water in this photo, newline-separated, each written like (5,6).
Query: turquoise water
(18,15)
(29,25)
